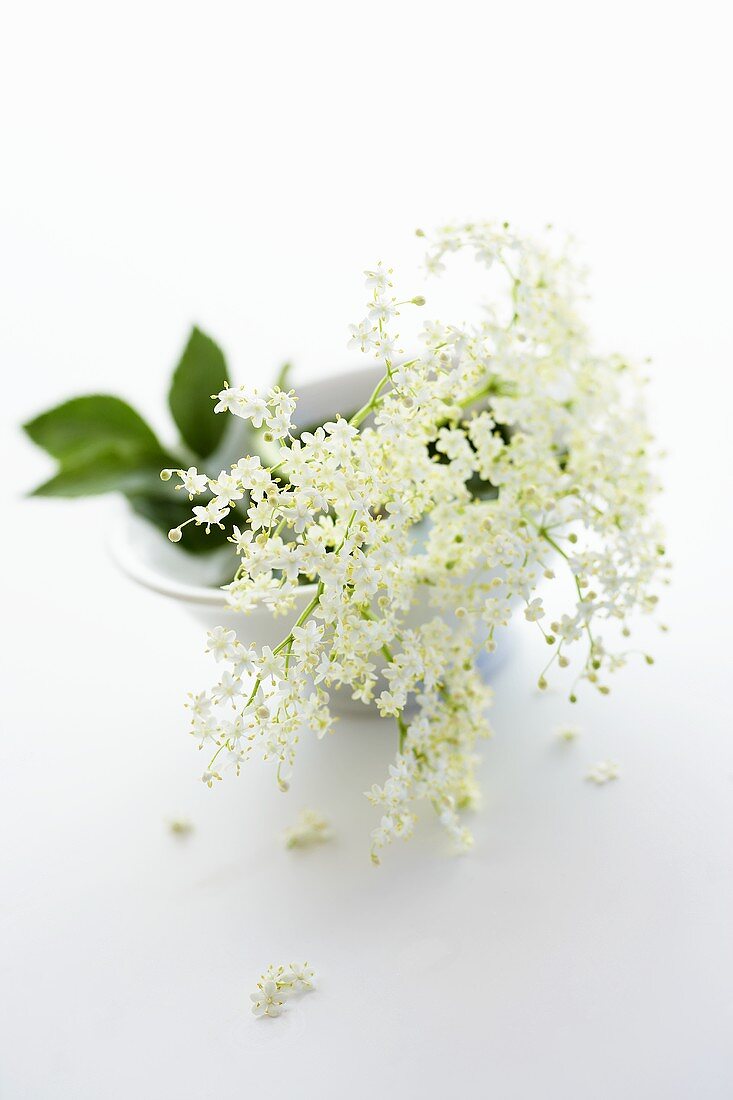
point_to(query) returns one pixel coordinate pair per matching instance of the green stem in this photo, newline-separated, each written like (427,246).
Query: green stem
(371,404)
(403,731)
(542,531)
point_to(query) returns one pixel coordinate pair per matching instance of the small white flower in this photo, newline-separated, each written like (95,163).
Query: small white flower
(278,983)
(387,348)
(301,976)
(266,1000)
(205,728)
(228,689)
(379,278)
(279,424)
(199,705)
(222,643)
(243,660)
(226,487)
(603,772)
(271,665)
(247,468)
(363,336)
(398,509)
(307,637)
(251,406)
(212,514)
(567,733)
(310,828)
(241,539)
(192,481)
(567,629)
(227,400)
(340,431)
(388,703)
(382,310)
(534,610)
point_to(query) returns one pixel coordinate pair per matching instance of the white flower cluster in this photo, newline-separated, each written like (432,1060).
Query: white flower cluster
(603,772)
(310,828)
(504,444)
(567,733)
(277,984)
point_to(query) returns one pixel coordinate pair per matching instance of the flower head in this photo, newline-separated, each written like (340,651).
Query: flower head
(506,466)
(277,984)
(603,772)
(266,1000)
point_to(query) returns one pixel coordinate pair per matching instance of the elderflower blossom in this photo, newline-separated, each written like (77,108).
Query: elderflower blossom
(603,772)
(505,455)
(279,983)
(567,733)
(310,828)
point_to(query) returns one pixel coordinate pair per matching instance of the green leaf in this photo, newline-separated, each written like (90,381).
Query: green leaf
(201,372)
(92,424)
(101,472)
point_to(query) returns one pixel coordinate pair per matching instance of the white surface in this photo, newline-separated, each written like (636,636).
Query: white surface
(166,164)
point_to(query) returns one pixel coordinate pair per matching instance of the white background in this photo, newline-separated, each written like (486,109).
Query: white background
(238,167)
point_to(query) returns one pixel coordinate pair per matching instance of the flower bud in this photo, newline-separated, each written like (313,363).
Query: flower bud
(175,534)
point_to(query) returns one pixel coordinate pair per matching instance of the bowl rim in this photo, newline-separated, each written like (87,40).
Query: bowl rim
(129,562)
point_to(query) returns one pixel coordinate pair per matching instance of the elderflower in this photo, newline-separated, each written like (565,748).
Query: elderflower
(363,336)
(277,984)
(603,772)
(222,643)
(534,611)
(310,828)
(192,481)
(266,999)
(507,454)
(567,733)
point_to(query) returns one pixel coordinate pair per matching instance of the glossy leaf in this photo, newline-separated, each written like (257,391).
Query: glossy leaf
(102,471)
(201,372)
(90,424)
